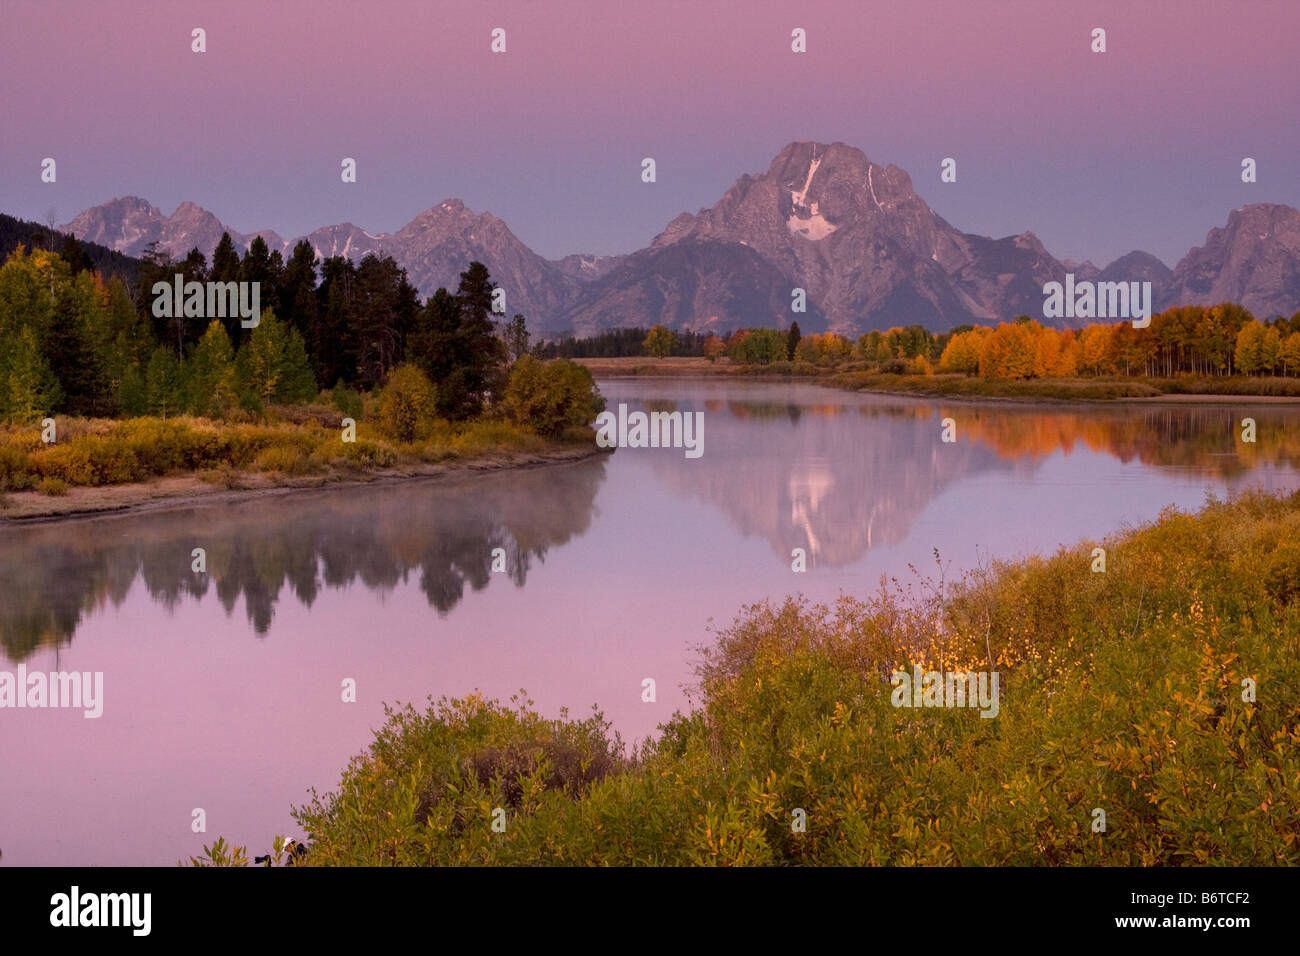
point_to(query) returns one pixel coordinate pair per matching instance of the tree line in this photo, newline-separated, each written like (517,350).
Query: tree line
(1224,339)
(84,343)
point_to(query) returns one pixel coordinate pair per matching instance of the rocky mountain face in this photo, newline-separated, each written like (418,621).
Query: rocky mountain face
(696,283)
(855,236)
(587,267)
(1254,260)
(130,224)
(436,247)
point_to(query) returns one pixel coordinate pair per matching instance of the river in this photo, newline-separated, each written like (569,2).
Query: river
(224,690)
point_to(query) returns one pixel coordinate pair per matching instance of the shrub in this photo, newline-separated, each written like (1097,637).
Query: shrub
(368,454)
(551,396)
(347,401)
(287,459)
(408,405)
(1120,691)
(54,487)
(13,469)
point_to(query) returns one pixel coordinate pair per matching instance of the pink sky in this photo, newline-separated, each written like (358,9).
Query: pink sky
(1098,154)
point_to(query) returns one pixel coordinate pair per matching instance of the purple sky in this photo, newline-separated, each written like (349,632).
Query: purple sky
(1097,154)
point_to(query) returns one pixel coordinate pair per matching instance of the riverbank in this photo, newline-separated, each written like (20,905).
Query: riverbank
(1075,390)
(1112,389)
(1146,713)
(104,467)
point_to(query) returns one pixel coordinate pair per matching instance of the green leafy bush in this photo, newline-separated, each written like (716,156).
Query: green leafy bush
(408,405)
(551,396)
(1127,692)
(347,400)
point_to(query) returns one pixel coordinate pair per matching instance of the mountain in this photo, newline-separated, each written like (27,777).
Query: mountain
(856,236)
(1135,266)
(1254,261)
(587,267)
(436,246)
(130,224)
(866,249)
(699,284)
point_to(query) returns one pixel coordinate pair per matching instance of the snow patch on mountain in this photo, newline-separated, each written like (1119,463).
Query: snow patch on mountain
(813,225)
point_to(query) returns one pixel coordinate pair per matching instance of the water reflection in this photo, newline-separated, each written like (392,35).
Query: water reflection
(796,466)
(55,574)
(839,476)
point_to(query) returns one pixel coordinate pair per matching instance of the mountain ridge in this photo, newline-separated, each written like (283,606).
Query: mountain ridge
(867,250)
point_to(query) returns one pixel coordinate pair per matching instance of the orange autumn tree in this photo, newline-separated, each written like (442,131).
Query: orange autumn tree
(962,353)
(1010,351)
(1096,348)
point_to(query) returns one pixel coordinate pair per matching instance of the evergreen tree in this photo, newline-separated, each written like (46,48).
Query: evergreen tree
(210,385)
(164,391)
(69,349)
(261,266)
(383,314)
(274,365)
(158,266)
(31,391)
(74,255)
(516,336)
(297,293)
(456,345)
(330,337)
(225,260)
(792,340)
(480,374)
(124,346)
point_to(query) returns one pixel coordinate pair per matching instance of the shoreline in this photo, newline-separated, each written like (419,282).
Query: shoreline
(188,490)
(692,369)
(1173,398)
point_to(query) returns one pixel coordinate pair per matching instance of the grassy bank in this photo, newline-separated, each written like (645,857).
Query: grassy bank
(1121,692)
(102,464)
(1065,389)
(865,376)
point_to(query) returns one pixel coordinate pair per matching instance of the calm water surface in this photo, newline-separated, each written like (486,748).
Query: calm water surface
(222,691)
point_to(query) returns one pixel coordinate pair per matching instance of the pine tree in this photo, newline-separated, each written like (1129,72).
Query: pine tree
(210,385)
(482,356)
(274,365)
(261,266)
(75,256)
(225,261)
(31,391)
(382,316)
(124,347)
(330,338)
(69,347)
(164,386)
(517,336)
(297,293)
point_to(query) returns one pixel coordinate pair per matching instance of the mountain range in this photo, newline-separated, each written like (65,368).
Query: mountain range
(866,248)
